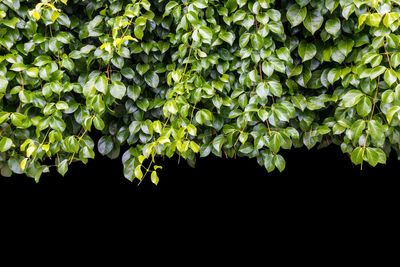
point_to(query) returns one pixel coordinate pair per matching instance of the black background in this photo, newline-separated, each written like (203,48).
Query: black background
(325,173)
(319,193)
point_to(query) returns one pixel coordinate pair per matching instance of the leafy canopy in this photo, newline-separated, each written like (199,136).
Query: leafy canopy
(163,78)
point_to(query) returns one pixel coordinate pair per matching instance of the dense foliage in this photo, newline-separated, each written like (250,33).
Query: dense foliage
(163,78)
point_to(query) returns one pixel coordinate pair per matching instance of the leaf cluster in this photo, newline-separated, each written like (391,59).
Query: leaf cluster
(246,78)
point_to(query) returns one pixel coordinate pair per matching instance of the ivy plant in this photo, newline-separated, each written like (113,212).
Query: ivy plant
(233,78)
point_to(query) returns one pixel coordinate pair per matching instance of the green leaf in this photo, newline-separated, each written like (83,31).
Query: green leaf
(313,21)
(279,162)
(362,19)
(381,155)
(133,92)
(193,18)
(332,26)
(138,32)
(374,19)
(101,84)
(141,21)
(244,39)
(364,107)
(169,6)
(3,84)
(20,120)
(348,10)
(10,22)
(142,68)
(171,106)
(18,67)
(3,116)
(357,155)
(238,16)
(203,115)
(263,114)
(267,68)
(377,71)
(283,53)
(278,65)
(117,89)
(194,146)
(295,15)
(356,129)
(98,104)
(192,130)
(206,33)
(306,50)
(154,177)
(389,19)
(351,98)
(391,112)
(151,79)
(86,152)
(57,124)
(299,101)
(41,61)
(372,156)
(55,15)
(128,73)
(105,145)
(275,87)
(227,37)
(276,27)
(72,144)
(262,90)
(303,3)
(5,144)
(390,76)
(98,123)
(275,142)
(87,49)
(269,162)
(246,148)
(257,41)
(376,129)
(218,142)
(138,172)
(62,105)
(32,72)
(62,167)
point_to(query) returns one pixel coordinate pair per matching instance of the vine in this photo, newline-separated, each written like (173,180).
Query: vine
(234,78)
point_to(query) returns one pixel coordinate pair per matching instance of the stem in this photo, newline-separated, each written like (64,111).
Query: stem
(370,118)
(79,139)
(147,170)
(130,22)
(44,139)
(245,125)
(376,94)
(190,52)
(108,71)
(254,84)
(22,83)
(1,132)
(191,118)
(269,129)
(387,55)
(51,33)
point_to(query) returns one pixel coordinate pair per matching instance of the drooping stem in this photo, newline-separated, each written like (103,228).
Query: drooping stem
(22,84)
(372,114)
